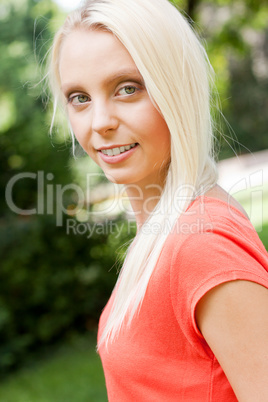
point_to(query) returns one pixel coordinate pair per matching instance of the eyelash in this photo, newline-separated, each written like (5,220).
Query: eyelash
(129,86)
(70,99)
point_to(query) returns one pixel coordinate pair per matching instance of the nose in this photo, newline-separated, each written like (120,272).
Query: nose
(104,118)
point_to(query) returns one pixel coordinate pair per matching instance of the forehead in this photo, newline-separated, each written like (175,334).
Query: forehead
(94,52)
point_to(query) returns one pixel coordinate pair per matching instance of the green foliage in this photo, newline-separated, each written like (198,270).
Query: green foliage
(52,283)
(237,39)
(24,142)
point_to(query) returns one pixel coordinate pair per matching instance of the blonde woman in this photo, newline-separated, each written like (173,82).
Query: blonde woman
(187,320)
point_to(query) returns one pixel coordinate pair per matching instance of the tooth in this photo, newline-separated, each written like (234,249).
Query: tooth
(109,152)
(104,151)
(116,151)
(122,149)
(132,145)
(127,147)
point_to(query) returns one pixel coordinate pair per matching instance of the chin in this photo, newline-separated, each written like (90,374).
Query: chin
(114,179)
(118,180)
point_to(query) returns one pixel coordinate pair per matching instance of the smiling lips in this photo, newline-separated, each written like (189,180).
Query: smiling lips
(117,150)
(118,154)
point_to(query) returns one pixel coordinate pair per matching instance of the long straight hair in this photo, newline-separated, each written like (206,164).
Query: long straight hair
(178,76)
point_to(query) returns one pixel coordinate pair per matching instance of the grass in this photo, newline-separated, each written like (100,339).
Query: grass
(73,373)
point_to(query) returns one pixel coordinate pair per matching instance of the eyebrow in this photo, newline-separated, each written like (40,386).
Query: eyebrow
(123,74)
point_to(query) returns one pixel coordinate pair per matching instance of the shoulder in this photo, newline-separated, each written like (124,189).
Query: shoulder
(218,193)
(214,238)
(214,217)
(218,244)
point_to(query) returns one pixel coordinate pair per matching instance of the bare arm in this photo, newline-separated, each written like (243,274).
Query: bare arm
(233,318)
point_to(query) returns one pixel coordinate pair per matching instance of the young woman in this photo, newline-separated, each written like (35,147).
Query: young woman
(187,320)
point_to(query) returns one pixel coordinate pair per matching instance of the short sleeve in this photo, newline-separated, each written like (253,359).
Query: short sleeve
(208,259)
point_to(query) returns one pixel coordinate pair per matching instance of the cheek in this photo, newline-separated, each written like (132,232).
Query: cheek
(155,123)
(159,132)
(80,130)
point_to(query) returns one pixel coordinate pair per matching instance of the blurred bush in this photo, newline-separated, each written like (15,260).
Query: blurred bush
(51,283)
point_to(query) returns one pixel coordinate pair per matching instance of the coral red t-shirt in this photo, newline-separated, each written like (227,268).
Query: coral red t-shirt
(162,356)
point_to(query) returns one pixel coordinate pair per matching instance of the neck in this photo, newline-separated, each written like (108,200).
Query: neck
(143,200)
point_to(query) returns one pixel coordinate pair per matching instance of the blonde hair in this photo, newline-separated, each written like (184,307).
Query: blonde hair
(177,75)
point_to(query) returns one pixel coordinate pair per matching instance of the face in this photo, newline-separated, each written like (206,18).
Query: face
(110,110)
